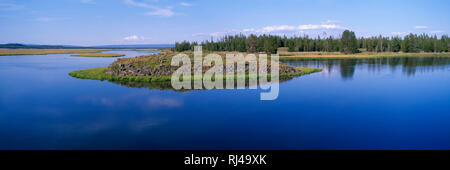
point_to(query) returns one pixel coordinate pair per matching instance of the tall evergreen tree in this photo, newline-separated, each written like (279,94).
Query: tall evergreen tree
(348,41)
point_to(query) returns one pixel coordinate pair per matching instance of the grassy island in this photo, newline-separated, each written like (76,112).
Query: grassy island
(157,68)
(99,55)
(101,73)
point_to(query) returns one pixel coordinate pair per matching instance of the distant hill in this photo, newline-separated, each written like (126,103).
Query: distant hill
(12,46)
(37,46)
(33,46)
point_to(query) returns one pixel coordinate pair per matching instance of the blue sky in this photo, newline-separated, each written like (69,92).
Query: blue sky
(104,22)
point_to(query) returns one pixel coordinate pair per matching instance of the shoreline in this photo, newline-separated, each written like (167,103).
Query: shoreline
(99,73)
(360,55)
(30,51)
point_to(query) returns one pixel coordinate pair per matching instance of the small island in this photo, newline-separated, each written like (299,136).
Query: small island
(157,68)
(99,55)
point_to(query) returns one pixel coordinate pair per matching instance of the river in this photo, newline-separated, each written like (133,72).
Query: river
(390,103)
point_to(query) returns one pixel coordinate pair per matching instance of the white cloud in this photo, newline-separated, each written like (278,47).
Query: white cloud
(161,12)
(185,4)
(157,11)
(277,28)
(399,33)
(9,7)
(281,28)
(215,34)
(437,31)
(138,4)
(322,26)
(249,30)
(133,38)
(331,22)
(420,27)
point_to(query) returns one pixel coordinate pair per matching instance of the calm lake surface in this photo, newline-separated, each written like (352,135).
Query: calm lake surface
(353,104)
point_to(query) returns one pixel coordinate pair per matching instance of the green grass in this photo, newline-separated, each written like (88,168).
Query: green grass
(99,55)
(101,74)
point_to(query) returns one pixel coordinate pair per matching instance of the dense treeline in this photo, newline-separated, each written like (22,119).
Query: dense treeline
(409,43)
(347,43)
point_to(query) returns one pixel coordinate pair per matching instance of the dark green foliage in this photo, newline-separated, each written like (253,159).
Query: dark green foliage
(183,46)
(291,45)
(347,43)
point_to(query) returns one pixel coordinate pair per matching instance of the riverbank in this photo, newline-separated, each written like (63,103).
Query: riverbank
(99,55)
(319,55)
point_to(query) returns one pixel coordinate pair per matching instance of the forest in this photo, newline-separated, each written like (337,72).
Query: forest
(346,43)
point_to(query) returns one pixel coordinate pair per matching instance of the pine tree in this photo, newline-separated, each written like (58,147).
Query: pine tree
(348,41)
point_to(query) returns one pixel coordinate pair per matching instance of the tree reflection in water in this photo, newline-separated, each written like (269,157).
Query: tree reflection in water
(409,65)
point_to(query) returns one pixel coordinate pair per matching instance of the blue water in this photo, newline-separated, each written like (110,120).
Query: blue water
(352,104)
